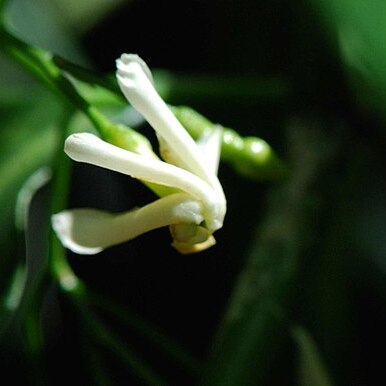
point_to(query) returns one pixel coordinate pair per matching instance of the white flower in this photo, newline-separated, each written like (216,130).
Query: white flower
(193,213)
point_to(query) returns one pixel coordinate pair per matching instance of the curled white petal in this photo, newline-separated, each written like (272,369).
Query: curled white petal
(140,92)
(85,147)
(89,231)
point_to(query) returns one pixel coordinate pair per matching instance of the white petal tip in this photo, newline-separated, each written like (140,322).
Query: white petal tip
(128,65)
(75,144)
(64,226)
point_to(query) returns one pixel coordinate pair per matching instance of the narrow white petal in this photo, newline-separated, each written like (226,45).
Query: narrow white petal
(89,148)
(210,146)
(89,231)
(140,92)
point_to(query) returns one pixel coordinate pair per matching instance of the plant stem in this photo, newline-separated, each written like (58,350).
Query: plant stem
(41,64)
(249,156)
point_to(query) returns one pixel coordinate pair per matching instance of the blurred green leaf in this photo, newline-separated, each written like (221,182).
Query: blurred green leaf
(312,370)
(40,23)
(77,13)
(20,284)
(358,29)
(256,318)
(27,142)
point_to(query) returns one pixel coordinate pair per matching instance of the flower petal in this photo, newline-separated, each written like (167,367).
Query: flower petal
(140,92)
(89,231)
(210,147)
(89,148)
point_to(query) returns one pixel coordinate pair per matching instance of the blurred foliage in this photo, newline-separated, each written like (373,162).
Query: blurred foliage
(294,292)
(28,142)
(356,30)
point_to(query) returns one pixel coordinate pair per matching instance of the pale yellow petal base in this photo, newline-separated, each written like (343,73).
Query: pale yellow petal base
(191,238)
(187,249)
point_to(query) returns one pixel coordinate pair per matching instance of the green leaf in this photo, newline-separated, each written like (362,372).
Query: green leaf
(256,316)
(312,370)
(77,13)
(358,29)
(31,20)
(27,142)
